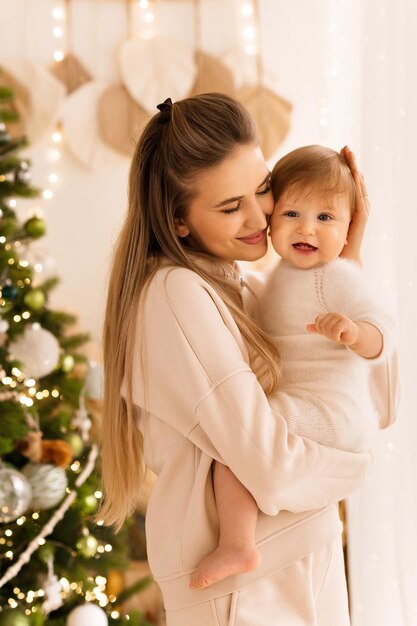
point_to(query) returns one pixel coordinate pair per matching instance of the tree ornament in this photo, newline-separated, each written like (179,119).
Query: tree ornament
(115,582)
(86,615)
(37,349)
(10,292)
(34,299)
(35,227)
(22,175)
(48,484)
(76,443)
(15,494)
(87,546)
(81,419)
(13,617)
(67,363)
(38,450)
(52,587)
(94,381)
(86,501)
(43,264)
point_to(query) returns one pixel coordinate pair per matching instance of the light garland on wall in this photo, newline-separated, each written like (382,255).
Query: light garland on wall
(141,18)
(248,28)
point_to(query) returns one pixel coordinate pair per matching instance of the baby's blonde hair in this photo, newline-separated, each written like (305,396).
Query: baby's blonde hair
(314,167)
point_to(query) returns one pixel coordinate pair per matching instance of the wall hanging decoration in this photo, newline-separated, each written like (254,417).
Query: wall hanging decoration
(81,123)
(46,96)
(211,73)
(121,119)
(102,120)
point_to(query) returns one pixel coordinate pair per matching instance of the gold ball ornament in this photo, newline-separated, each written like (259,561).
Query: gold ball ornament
(115,583)
(75,442)
(13,617)
(34,299)
(35,227)
(87,546)
(67,363)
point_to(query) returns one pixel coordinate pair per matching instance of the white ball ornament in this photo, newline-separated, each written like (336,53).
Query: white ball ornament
(87,615)
(38,350)
(15,494)
(43,264)
(48,484)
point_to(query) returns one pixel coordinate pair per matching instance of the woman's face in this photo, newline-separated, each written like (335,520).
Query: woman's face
(228,216)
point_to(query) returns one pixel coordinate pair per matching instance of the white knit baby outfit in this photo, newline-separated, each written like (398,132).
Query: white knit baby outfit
(324,393)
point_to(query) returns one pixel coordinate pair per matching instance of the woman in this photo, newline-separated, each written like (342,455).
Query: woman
(194,367)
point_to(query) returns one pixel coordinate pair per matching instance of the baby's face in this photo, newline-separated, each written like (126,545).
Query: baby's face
(309,228)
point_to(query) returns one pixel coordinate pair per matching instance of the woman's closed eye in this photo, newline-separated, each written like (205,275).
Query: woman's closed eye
(232,209)
(265,190)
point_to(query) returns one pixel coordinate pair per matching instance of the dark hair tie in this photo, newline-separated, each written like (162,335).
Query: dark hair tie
(166,109)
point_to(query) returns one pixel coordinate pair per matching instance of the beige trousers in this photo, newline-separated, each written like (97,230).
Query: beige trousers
(310,592)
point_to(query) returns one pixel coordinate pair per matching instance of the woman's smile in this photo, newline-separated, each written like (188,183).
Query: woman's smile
(255,238)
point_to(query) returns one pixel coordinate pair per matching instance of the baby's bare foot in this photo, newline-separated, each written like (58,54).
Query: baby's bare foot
(223,562)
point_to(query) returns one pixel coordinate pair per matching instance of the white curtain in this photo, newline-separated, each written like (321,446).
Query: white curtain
(381,88)
(350,68)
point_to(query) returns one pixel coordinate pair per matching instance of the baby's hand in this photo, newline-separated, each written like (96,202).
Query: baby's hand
(336,327)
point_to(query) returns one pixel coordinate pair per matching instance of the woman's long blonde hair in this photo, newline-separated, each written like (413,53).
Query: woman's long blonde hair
(197,133)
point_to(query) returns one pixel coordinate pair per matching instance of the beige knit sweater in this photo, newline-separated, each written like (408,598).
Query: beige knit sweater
(324,392)
(198,400)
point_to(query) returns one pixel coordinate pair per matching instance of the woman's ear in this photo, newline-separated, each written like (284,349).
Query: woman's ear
(181,228)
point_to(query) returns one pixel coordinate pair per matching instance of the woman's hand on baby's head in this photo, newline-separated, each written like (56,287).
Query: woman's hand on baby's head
(360,216)
(336,327)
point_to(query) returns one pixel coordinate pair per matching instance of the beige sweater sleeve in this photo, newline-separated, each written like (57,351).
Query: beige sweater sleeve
(200,383)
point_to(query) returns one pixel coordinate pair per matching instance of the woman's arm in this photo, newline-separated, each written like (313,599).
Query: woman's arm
(201,385)
(360,217)
(281,470)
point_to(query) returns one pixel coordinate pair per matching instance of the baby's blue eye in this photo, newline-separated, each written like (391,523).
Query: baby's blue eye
(324,217)
(291,213)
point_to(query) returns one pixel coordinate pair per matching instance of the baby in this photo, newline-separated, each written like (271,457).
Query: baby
(327,325)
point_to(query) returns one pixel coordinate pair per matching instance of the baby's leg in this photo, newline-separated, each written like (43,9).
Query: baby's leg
(237,513)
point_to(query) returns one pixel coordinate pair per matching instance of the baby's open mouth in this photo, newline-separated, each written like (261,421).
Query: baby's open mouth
(305,247)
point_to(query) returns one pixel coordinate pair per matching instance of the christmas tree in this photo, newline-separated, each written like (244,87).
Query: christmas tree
(54,559)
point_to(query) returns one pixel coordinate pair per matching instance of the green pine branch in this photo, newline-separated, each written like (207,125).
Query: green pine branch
(72,342)
(10,188)
(13,146)
(8,116)
(6,93)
